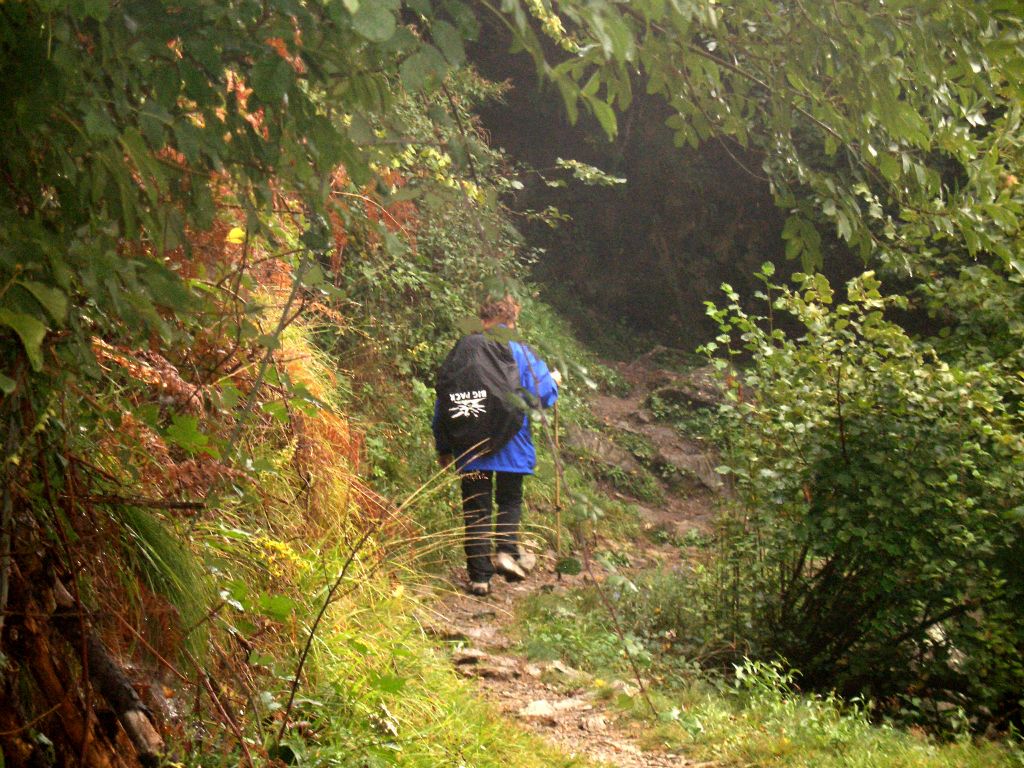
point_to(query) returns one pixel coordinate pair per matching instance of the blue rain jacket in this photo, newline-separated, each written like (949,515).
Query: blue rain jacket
(518,455)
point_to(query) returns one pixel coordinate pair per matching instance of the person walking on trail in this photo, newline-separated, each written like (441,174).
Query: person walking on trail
(498,467)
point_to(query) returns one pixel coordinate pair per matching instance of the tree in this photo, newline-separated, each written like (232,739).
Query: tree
(134,133)
(889,132)
(896,123)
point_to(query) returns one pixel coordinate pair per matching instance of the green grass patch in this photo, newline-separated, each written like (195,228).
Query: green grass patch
(762,720)
(569,627)
(752,716)
(697,423)
(638,483)
(382,695)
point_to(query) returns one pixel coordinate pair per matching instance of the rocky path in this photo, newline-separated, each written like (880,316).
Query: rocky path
(552,699)
(556,701)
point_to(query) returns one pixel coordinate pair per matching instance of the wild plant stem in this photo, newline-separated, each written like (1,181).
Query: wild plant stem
(219,706)
(316,624)
(282,323)
(6,517)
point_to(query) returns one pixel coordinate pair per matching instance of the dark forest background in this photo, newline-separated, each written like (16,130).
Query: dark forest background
(635,262)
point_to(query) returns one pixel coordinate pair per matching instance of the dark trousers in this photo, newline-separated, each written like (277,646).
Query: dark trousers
(476,506)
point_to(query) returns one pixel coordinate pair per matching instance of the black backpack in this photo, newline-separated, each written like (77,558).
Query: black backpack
(479,396)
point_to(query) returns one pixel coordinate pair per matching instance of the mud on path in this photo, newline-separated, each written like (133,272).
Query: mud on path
(552,699)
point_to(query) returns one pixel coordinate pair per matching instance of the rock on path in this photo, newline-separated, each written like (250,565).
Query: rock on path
(555,701)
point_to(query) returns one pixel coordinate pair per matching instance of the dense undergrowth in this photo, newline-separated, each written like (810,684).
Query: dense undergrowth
(189,467)
(236,239)
(242,502)
(878,486)
(738,713)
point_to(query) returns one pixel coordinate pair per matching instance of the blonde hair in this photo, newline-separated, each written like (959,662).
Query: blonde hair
(500,311)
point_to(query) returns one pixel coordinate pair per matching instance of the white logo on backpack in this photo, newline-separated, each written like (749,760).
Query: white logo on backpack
(468,403)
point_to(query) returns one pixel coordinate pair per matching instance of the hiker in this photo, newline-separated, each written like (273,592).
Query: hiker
(497,468)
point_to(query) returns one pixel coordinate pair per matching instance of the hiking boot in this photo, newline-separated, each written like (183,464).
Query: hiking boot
(506,565)
(480,588)
(527,560)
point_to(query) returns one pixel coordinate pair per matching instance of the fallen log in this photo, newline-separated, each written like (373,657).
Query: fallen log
(109,679)
(78,728)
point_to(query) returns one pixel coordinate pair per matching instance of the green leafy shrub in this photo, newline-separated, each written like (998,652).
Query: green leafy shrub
(878,511)
(638,483)
(573,627)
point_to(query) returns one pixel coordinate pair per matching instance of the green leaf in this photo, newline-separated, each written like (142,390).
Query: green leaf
(30,331)
(374,21)
(421,68)
(277,410)
(570,95)
(843,227)
(277,607)
(229,396)
(7,384)
(98,125)
(890,167)
(269,340)
(184,433)
(387,683)
(151,171)
(271,78)
(53,300)
(360,130)
(357,646)
(313,276)
(449,41)
(605,116)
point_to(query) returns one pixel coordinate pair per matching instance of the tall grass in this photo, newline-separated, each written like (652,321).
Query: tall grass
(169,569)
(379,692)
(374,691)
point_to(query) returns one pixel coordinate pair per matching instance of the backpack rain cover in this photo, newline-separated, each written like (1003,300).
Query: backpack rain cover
(476,394)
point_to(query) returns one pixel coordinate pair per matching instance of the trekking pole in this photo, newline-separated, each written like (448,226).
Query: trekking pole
(551,426)
(558,491)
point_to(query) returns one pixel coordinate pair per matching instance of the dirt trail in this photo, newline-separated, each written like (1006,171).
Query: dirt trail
(552,699)
(692,506)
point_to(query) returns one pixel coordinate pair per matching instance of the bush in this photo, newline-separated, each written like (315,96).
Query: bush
(878,513)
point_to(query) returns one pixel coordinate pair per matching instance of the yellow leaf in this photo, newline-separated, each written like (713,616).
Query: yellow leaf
(235,236)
